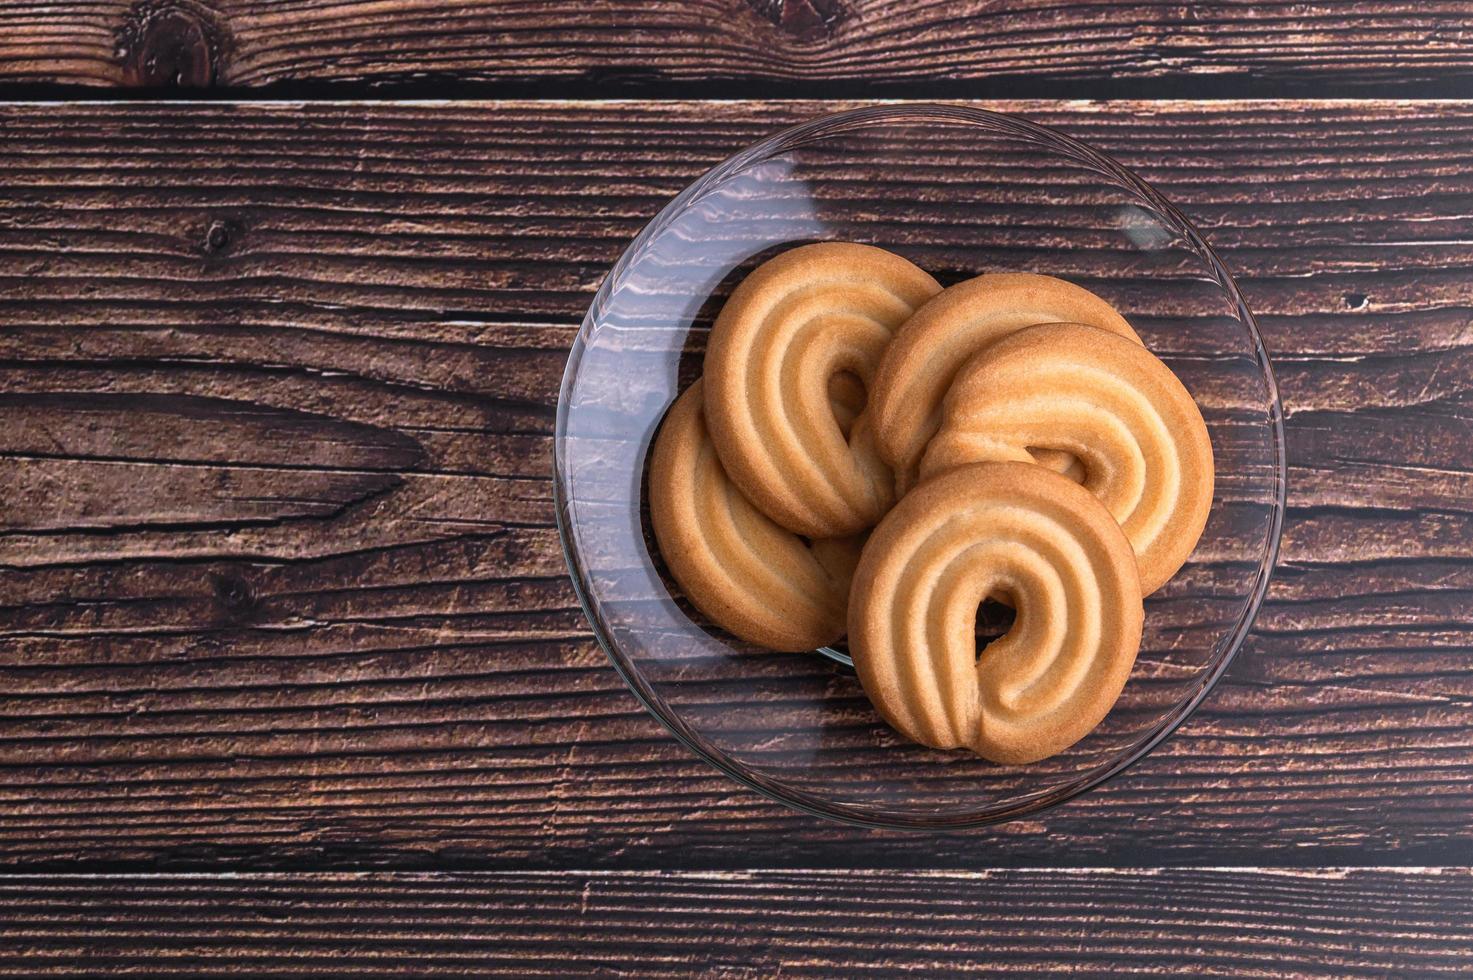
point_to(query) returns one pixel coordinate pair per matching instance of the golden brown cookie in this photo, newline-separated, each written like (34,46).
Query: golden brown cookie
(748,575)
(1107,401)
(912,379)
(794,323)
(1055,552)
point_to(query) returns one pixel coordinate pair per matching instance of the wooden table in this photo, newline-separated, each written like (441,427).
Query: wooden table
(294,679)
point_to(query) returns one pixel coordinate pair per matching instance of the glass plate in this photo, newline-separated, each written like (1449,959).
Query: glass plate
(960,192)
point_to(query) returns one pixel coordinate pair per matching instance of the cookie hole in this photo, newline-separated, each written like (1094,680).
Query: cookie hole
(993,621)
(1065,464)
(847,396)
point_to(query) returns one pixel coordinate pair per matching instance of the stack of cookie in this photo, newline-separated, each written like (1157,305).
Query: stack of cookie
(869,453)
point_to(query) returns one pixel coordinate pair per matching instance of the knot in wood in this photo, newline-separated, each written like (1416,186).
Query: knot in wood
(805,20)
(219,236)
(176,44)
(235,596)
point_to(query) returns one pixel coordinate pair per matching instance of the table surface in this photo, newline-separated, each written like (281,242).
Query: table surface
(293,673)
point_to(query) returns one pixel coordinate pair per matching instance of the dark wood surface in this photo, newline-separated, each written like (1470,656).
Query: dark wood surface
(1334,922)
(280,586)
(747,47)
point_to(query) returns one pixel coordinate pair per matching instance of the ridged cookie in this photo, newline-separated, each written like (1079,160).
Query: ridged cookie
(747,574)
(1055,552)
(1109,402)
(918,367)
(797,321)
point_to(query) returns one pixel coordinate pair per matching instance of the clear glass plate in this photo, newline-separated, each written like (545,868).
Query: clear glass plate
(960,192)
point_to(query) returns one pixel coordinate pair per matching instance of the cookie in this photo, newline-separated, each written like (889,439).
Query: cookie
(1105,400)
(1053,549)
(796,322)
(1061,463)
(749,576)
(917,369)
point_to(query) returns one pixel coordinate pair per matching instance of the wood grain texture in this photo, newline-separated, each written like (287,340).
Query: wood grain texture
(1027,48)
(1234,922)
(279,572)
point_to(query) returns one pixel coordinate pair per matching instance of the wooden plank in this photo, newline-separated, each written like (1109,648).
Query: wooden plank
(279,572)
(730,46)
(1237,922)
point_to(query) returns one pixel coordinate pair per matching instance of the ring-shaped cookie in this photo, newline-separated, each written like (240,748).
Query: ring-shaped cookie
(1107,401)
(749,576)
(919,365)
(793,324)
(1058,555)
